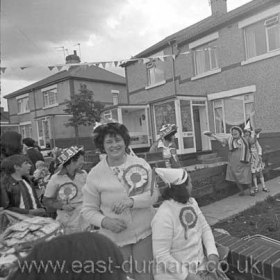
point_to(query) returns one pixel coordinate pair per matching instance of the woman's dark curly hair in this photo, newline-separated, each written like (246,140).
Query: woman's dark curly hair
(112,129)
(177,192)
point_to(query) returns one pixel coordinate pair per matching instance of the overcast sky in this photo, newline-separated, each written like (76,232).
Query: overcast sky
(33,32)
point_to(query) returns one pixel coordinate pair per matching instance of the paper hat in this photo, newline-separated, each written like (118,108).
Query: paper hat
(67,154)
(248,126)
(172,176)
(167,129)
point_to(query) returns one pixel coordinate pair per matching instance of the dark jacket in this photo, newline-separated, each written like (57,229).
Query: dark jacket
(11,191)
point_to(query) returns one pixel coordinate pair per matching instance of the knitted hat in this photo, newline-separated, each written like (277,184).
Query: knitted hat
(67,154)
(167,129)
(172,176)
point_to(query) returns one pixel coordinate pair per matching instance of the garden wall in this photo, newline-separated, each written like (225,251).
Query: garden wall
(250,259)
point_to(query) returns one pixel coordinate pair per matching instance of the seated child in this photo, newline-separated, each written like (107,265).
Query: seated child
(183,244)
(17,192)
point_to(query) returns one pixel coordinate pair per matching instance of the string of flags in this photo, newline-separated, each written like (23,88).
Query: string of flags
(104,64)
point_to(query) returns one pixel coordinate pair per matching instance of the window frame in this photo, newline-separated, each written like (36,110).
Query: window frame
(205,43)
(20,105)
(153,66)
(262,16)
(46,97)
(223,109)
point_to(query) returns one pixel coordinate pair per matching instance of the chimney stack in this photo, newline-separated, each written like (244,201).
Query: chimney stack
(73,58)
(218,7)
(115,94)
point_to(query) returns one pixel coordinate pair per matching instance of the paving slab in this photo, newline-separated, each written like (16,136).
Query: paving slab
(232,205)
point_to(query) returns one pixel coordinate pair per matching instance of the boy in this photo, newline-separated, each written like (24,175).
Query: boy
(17,192)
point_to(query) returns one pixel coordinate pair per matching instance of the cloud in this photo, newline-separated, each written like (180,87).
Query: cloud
(33,30)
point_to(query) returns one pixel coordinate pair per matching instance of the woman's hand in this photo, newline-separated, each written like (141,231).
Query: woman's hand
(120,206)
(208,133)
(114,225)
(212,264)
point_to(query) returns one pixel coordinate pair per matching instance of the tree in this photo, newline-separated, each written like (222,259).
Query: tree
(84,110)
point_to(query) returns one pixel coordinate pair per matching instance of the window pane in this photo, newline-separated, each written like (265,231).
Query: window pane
(255,39)
(159,75)
(188,142)
(234,114)
(186,115)
(199,61)
(155,73)
(273,34)
(207,60)
(219,120)
(165,113)
(213,53)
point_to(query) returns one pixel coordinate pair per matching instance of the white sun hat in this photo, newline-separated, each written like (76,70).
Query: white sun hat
(172,176)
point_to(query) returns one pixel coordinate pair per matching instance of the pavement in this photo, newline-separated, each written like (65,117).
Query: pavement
(233,205)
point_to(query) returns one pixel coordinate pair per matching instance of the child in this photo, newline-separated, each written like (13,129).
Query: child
(183,243)
(166,144)
(257,164)
(17,192)
(41,170)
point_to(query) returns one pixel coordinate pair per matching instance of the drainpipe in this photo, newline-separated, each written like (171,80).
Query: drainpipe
(171,44)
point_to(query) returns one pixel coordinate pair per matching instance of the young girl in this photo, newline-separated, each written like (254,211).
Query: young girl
(166,144)
(257,164)
(183,244)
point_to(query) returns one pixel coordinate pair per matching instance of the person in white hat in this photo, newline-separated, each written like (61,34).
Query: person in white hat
(166,144)
(64,190)
(180,233)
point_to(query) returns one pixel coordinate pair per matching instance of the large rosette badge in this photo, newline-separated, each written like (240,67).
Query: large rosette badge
(136,177)
(67,191)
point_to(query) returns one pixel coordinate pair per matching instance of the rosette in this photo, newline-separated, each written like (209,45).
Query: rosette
(136,177)
(188,218)
(67,191)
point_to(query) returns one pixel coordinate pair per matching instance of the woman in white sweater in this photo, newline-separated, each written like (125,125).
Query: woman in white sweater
(183,244)
(119,198)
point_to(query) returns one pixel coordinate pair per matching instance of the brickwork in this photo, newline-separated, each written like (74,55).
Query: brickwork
(250,259)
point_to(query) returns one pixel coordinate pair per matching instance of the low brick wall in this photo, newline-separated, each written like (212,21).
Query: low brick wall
(250,259)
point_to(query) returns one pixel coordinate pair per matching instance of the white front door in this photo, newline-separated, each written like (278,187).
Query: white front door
(186,127)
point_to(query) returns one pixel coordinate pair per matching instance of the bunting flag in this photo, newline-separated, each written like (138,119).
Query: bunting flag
(115,63)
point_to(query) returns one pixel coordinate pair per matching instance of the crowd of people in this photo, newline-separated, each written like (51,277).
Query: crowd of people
(117,198)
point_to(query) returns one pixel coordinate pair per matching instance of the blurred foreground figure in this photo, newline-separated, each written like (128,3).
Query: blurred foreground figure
(78,256)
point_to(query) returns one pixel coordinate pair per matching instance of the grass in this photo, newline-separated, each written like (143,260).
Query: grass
(263,218)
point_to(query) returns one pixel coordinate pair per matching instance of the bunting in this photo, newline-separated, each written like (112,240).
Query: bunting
(115,63)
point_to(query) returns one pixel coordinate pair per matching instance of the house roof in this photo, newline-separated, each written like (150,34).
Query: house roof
(92,73)
(209,24)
